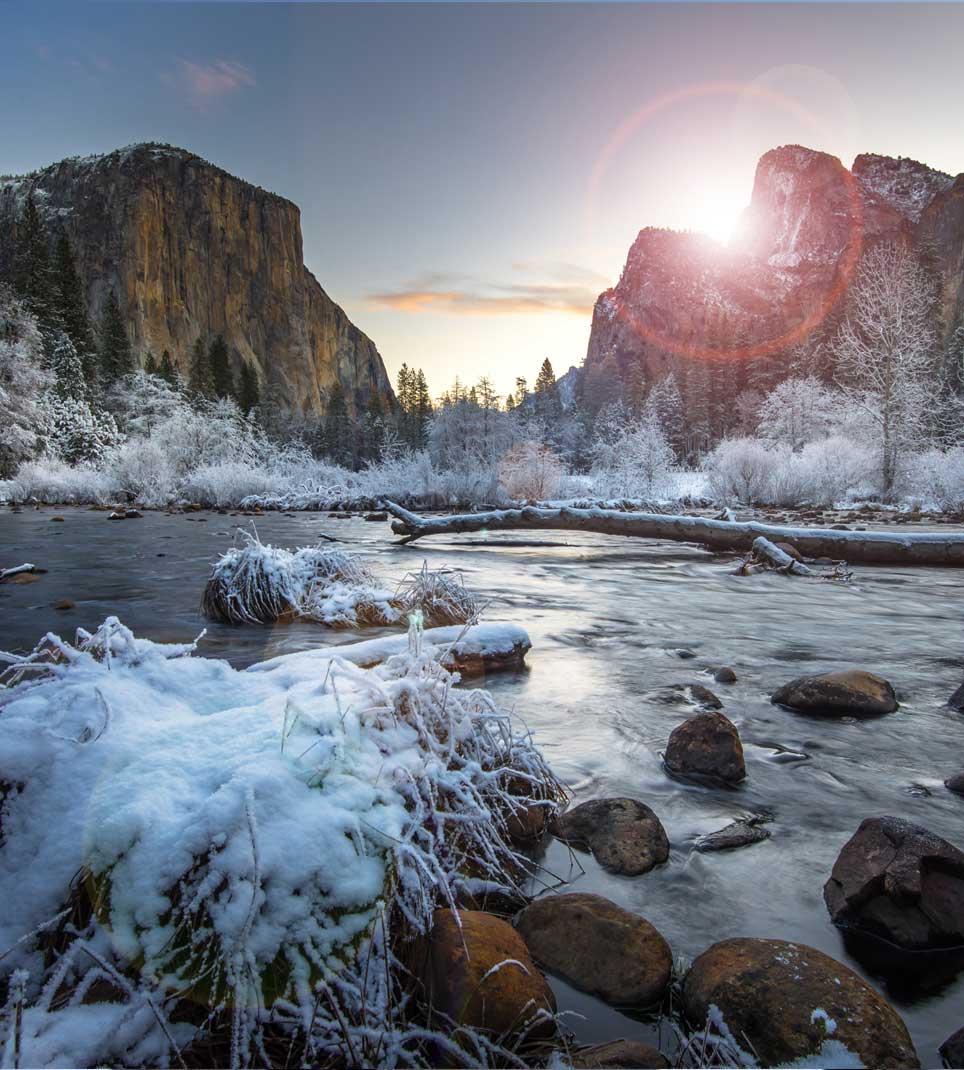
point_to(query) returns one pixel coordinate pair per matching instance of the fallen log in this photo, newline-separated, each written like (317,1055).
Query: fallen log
(766,555)
(725,536)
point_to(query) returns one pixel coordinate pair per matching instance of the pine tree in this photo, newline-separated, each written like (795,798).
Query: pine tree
(222,376)
(167,371)
(68,369)
(339,433)
(32,273)
(249,391)
(422,411)
(72,308)
(116,358)
(200,381)
(547,402)
(373,430)
(664,405)
(150,363)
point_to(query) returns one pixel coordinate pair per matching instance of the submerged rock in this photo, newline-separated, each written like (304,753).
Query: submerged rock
(375,517)
(724,675)
(900,882)
(952,1050)
(739,834)
(955,783)
(459,966)
(707,745)
(786,999)
(852,693)
(956,701)
(624,835)
(598,947)
(619,1055)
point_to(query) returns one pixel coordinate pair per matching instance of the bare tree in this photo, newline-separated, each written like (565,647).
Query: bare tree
(885,352)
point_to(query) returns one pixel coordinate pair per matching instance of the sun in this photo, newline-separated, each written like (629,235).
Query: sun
(717,213)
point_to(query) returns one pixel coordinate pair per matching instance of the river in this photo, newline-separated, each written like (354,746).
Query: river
(606,616)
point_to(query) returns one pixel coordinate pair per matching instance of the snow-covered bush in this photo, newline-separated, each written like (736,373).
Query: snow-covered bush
(633,460)
(935,479)
(50,479)
(740,470)
(144,472)
(530,470)
(798,411)
(22,383)
(200,863)
(76,432)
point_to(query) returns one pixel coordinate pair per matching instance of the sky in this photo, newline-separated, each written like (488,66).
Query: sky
(471,176)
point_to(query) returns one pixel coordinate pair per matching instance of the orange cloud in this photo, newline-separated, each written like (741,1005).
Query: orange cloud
(431,296)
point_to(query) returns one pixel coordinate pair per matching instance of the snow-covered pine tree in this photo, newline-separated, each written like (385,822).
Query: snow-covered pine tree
(68,369)
(664,407)
(168,372)
(339,431)
(71,306)
(116,358)
(150,363)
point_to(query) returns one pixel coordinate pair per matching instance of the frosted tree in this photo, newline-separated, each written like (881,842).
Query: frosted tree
(22,382)
(530,471)
(631,458)
(32,272)
(68,369)
(884,352)
(798,411)
(75,432)
(116,358)
(664,405)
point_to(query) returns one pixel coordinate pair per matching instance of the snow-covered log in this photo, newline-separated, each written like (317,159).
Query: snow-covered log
(469,650)
(855,547)
(771,556)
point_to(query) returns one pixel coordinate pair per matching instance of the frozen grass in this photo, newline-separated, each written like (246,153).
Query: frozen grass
(202,866)
(440,595)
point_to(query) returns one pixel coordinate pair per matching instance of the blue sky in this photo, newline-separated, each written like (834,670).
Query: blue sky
(471,176)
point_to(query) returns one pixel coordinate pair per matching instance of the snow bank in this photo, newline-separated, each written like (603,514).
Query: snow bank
(197,856)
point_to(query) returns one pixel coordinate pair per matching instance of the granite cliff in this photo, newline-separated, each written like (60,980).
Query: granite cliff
(191,251)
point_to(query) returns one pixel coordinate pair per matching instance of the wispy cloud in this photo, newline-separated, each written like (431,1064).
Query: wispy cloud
(561,288)
(205,84)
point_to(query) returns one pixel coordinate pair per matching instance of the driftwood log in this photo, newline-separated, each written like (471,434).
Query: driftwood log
(725,536)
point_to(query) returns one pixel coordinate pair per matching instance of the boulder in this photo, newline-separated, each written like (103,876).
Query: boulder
(852,693)
(770,992)
(706,745)
(57,520)
(375,517)
(703,696)
(63,603)
(955,783)
(956,701)
(457,966)
(724,675)
(624,835)
(739,834)
(598,947)
(952,1050)
(618,1055)
(900,882)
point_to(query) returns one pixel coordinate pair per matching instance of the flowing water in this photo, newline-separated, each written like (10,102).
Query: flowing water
(607,616)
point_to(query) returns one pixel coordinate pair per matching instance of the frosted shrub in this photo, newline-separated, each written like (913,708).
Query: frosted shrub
(226,483)
(215,867)
(530,470)
(633,461)
(53,480)
(22,381)
(144,472)
(740,469)
(440,595)
(935,479)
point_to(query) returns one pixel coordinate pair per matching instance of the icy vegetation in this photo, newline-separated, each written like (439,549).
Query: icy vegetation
(203,866)
(255,583)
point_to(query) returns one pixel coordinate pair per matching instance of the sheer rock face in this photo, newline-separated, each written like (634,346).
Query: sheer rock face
(789,265)
(192,251)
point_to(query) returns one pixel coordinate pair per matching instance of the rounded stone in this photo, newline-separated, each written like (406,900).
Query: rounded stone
(706,745)
(853,693)
(624,835)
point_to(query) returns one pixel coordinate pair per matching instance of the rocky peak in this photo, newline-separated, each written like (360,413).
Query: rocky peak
(902,183)
(192,252)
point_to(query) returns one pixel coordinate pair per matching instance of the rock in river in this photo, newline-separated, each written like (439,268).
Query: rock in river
(598,947)
(955,783)
(787,999)
(460,969)
(854,693)
(900,882)
(739,834)
(619,1055)
(624,835)
(706,745)
(952,1050)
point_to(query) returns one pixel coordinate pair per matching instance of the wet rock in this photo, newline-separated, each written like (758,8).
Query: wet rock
(375,517)
(791,550)
(453,961)
(952,1050)
(619,1055)
(739,834)
(134,514)
(21,578)
(768,991)
(899,882)
(63,603)
(598,947)
(955,783)
(117,516)
(703,696)
(725,675)
(956,701)
(684,653)
(57,520)
(852,693)
(624,835)
(707,745)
